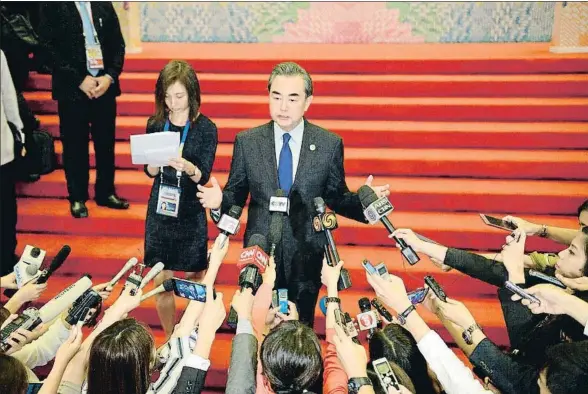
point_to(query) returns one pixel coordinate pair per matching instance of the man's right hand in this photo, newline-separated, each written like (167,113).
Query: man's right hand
(88,85)
(210,197)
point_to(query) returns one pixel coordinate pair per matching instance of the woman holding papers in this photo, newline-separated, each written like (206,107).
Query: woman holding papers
(176,227)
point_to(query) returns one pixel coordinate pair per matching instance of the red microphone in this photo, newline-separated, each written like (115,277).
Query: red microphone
(253,255)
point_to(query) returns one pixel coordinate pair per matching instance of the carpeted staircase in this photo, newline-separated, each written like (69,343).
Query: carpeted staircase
(454,129)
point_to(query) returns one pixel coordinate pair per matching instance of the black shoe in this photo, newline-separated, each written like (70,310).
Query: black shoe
(78,209)
(113,202)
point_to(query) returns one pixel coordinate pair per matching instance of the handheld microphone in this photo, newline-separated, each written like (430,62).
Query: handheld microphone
(252,263)
(32,317)
(167,285)
(275,233)
(229,223)
(280,203)
(376,209)
(157,268)
(28,266)
(57,262)
(367,319)
(325,222)
(130,264)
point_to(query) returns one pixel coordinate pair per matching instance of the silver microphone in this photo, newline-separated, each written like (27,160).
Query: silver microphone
(157,268)
(167,285)
(130,264)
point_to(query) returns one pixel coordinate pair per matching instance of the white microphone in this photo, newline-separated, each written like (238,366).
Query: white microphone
(130,264)
(229,224)
(378,209)
(167,285)
(157,268)
(28,266)
(63,300)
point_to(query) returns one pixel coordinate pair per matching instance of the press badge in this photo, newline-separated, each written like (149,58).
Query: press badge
(94,56)
(168,201)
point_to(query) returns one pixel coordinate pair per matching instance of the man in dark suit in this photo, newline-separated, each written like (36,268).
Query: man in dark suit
(305,161)
(86,48)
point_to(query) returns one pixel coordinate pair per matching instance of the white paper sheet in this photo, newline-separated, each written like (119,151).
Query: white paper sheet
(154,149)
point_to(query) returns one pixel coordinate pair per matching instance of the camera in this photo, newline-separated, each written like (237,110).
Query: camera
(89,300)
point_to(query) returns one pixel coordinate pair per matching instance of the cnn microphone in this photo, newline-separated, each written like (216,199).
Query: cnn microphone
(275,233)
(157,268)
(32,317)
(130,264)
(167,285)
(229,224)
(325,222)
(252,263)
(57,262)
(367,319)
(376,209)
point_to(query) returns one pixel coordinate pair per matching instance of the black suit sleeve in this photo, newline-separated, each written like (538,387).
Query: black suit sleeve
(337,195)
(191,381)
(507,374)
(237,187)
(520,321)
(51,38)
(477,266)
(115,44)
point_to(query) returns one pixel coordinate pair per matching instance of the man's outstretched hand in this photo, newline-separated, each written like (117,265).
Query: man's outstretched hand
(381,191)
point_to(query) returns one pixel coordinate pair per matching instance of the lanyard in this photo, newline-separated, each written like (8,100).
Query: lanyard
(182,142)
(89,8)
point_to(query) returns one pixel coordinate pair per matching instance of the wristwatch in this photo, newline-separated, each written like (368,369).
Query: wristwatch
(354,384)
(402,316)
(333,299)
(467,334)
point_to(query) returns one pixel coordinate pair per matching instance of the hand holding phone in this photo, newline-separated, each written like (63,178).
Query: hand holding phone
(191,290)
(368,267)
(498,223)
(520,292)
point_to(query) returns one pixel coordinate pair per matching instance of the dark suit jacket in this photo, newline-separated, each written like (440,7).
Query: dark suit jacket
(191,381)
(61,34)
(243,367)
(320,173)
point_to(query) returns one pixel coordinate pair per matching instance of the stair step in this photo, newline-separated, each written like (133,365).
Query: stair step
(399,134)
(460,230)
(479,163)
(106,261)
(538,85)
(365,108)
(407,194)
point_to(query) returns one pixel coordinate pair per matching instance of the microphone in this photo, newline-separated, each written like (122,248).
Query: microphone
(57,262)
(376,209)
(278,206)
(275,233)
(130,264)
(28,266)
(367,319)
(325,222)
(157,268)
(32,317)
(252,263)
(280,203)
(229,223)
(167,285)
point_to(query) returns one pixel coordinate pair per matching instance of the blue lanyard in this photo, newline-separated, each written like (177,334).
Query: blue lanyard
(184,133)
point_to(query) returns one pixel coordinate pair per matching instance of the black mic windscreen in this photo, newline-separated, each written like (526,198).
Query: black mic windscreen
(275,230)
(364,304)
(235,211)
(280,193)
(319,204)
(259,240)
(366,195)
(168,284)
(59,259)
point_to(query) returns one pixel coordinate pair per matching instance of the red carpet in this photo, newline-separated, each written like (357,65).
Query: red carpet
(454,129)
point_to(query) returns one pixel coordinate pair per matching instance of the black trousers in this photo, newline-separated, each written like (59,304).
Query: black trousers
(77,119)
(8,215)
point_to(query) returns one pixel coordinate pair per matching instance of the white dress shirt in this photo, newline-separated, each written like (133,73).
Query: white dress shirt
(295,144)
(453,375)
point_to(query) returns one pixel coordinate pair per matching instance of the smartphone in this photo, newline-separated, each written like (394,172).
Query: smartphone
(418,296)
(275,303)
(368,267)
(520,292)
(190,290)
(283,300)
(499,223)
(385,374)
(547,278)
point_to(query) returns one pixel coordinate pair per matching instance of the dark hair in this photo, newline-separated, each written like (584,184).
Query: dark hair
(4,314)
(14,378)
(567,368)
(291,357)
(401,375)
(177,71)
(396,344)
(583,207)
(120,359)
(291,69)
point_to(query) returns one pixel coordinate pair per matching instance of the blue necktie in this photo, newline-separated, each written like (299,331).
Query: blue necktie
(285,166)
(88,31)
